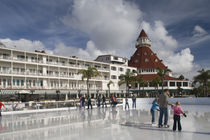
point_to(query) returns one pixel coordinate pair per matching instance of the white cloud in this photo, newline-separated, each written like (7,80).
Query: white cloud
(90,52)
(111,25)
(199,32)
(23,44)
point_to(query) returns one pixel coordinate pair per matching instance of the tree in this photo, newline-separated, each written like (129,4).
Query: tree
(162,73)
(88,74)
(156,81)
(202,78)
(128,79)
(108,85)
(181,77)
(144,84)
(140,81)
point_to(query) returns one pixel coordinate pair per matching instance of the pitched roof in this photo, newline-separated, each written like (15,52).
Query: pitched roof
(145,58)
(142,34)
(150,77)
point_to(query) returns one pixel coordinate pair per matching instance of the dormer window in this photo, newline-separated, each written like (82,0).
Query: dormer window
(156,60)
(136,61)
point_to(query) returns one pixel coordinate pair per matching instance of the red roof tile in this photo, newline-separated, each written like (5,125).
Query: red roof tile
(143,34)
(145,58)
(150,77)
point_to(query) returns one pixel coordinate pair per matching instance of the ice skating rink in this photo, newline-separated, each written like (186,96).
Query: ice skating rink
(104,124)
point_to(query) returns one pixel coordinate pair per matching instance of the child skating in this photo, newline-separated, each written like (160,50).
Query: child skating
(177,112)
(126,103)
(154,107)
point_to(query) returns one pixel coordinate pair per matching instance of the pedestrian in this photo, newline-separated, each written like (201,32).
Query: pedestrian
(177,112)
(99,100)
(126,103)
(163,105)
(104,101)
(1,105)
(114,100)
(154,107)
(134,101)
(83,101)
(89,102)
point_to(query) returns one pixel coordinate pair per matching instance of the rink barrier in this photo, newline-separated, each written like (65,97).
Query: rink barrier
(183,101)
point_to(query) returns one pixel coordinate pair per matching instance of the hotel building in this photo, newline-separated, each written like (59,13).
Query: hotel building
(39,72)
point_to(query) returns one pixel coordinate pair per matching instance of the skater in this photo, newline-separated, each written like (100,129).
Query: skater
(103,101)
(163,105)
(134,101)
(89,102)
(83,101)
(154,107)
(99,100)
(126,103)
(177,112)
(1,104)
(114,100)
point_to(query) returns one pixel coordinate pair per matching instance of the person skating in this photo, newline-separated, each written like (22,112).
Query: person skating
(83,101)
(99,100)
(89,102)
(103,101)
(163,105)
(126,103)
(1,105)
(114,100)
(177,112)
(134,101)
(154,107)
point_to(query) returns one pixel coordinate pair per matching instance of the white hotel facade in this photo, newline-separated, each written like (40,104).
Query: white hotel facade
(39,72)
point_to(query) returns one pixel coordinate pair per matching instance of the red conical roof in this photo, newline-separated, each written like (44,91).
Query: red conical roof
(143,34)
(145,58)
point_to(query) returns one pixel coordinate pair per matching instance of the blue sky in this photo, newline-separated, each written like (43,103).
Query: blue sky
(89,28)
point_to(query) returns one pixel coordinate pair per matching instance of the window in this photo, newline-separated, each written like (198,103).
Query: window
(18,82)
(115,58)
(121,69)
(179,84)
(113,68)
(113,77)
(22,83)
(136,61)
(185,84)
(172,84)
(146,60)
(138,54)
(156,60)
(145,53)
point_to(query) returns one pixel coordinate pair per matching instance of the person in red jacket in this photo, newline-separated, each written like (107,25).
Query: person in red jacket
(1,104)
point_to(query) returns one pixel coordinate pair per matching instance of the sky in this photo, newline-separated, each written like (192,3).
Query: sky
(179,30)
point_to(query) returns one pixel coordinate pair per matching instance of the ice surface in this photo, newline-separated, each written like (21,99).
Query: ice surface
(104,124)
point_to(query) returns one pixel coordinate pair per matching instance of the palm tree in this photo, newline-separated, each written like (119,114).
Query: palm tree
(108,85)
(156,81)
(140,81)
(162,73)
(144,84)
(202,78)
(128,79)
(88,74)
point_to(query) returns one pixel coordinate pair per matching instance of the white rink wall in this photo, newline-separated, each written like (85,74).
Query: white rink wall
(184,101)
